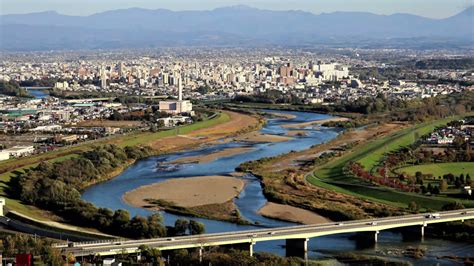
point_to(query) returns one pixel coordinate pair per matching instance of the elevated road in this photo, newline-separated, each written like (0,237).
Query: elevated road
(295,235)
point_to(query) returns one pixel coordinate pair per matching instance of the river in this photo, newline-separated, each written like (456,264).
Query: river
(38,92)
(109,194)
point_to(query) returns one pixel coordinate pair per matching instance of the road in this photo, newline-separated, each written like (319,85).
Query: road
(111,247)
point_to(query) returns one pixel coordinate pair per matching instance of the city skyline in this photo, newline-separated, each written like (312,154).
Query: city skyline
(430,9)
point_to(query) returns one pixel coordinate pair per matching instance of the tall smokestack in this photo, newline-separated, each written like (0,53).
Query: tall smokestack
(180,89)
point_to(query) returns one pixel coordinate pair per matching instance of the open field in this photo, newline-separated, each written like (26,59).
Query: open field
(290,213)
(371,154)
(332,176)
(213,156)
(440,169)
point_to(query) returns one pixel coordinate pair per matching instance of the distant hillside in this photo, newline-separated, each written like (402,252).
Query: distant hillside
(235,26)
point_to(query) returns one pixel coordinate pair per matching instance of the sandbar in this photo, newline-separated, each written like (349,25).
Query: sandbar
(292,214)
(259,137)
(213,156)
(319,122)
(188,192)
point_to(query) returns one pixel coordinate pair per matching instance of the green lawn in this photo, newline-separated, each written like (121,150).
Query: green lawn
(440,169)
(375,151)
(146,137)
(332,176)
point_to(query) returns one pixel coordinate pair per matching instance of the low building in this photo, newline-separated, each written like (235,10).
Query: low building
(19,151)
(176,107)
(4,155)
(467,190)
(175,120)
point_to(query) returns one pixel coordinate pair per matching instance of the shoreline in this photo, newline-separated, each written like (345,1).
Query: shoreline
(315,122)
(212,156)
(201,196)
(291,214)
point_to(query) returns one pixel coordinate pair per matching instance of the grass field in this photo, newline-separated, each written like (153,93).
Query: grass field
(375,151)
(440,169)
(332,176)
(146,137)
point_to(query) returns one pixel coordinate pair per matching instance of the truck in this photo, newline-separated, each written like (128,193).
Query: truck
(433,216)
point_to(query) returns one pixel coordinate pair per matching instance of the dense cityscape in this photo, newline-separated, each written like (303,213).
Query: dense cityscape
(323,153)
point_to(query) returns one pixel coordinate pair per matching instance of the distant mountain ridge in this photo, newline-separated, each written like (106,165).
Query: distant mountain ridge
(235,25)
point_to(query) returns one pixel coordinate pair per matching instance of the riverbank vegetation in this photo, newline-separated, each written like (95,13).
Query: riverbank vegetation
(12,88)
(55,187)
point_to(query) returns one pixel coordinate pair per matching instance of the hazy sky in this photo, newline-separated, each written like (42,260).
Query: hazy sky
(427,8)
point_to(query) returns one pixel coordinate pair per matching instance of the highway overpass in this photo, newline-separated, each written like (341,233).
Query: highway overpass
(296,236)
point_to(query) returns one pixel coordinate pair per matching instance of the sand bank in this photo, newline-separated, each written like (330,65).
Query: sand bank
(259,137)
(290,213)
(282,115)
(188,192)
(294,133)
(212,156)
(319,122)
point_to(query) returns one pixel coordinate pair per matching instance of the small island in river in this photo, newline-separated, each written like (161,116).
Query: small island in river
(203,196)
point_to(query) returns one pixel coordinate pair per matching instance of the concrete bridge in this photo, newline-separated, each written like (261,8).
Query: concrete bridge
(296,236)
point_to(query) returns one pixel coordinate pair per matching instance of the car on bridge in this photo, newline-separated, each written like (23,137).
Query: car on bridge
(433,216)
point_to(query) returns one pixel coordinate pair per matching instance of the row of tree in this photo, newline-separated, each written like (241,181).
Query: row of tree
(12,88)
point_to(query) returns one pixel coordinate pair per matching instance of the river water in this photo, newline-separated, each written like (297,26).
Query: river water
(38,92)
(109,194)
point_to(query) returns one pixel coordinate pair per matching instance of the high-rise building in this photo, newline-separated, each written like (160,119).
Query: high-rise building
(103,78)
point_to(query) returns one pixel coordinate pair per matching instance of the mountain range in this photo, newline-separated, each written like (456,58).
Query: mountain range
(229,26)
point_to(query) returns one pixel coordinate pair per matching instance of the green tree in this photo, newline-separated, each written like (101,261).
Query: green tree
(196,228)
(452,206)
(181,226)
(413,207)
(443,185)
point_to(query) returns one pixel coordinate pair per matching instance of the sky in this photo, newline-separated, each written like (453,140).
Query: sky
(427,8)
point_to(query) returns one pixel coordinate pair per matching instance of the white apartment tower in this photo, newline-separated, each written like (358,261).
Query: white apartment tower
(103,78)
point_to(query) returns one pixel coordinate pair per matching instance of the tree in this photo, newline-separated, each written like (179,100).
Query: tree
(181,226)
(120,219)
(430,188)
(155,226)
(413,207)
(116,116)
(452,206)
(196,228)
(443,185)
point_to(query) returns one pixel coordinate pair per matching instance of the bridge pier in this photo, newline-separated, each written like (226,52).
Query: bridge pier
(200,254)
(413,232)
(297,248)
(245,247)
